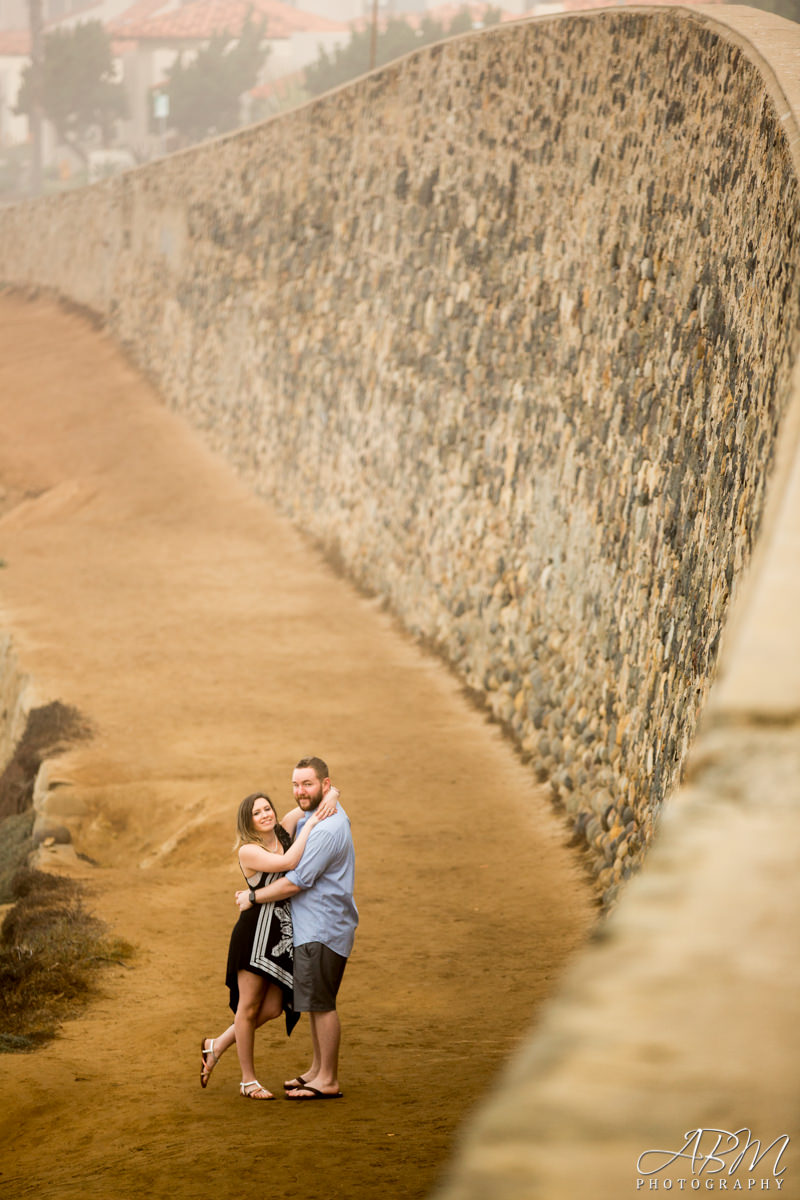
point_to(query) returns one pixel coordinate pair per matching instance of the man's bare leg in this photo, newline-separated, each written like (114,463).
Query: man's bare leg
(292,1085)
(326,1035)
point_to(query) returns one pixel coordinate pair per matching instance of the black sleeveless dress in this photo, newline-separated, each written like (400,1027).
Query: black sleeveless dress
(261,942)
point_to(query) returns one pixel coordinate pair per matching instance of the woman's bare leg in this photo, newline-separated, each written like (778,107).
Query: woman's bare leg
(214,1048)
(252,990)
(271,1005)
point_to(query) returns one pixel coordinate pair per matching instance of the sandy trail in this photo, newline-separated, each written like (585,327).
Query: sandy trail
(211,647)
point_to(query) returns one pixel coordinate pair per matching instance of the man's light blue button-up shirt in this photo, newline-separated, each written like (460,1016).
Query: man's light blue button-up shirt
(324,911)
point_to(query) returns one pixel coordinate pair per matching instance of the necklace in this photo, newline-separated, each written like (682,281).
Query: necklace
(274,849)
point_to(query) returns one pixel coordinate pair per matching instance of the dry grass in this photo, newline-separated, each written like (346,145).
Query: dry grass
(50,946)
(50,952)
(16,843)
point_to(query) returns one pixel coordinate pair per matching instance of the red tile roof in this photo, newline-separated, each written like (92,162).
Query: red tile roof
(201,19)
(15,42)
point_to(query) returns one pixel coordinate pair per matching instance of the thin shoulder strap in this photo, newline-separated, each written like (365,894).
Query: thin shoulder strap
(247,881)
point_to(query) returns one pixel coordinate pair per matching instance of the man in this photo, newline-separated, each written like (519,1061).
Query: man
(324,917)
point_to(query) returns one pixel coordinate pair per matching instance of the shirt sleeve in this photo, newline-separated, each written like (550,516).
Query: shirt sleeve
(319,853)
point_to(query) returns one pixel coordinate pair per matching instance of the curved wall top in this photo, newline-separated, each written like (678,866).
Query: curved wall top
(509,327)
(677,1029)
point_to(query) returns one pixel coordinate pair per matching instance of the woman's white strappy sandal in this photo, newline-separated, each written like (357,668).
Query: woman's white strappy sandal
(250,1091)
(207,1068)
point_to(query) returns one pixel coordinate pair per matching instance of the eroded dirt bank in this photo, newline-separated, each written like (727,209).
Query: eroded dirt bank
(210,646)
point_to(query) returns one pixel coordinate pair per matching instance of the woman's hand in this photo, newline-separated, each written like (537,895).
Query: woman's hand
(328,804)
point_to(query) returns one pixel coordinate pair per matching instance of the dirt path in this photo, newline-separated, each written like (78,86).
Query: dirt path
(211,647)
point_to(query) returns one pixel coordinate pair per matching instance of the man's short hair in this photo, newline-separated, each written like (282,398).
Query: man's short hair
(319,767)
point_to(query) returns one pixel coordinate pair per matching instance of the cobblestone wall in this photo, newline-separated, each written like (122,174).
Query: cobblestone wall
(508,327)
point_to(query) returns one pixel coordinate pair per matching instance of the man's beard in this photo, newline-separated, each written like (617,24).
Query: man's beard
(313,801)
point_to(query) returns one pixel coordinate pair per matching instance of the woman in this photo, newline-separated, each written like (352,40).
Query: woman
(259,973)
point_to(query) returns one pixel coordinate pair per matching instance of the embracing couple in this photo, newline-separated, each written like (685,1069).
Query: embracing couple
(289,948)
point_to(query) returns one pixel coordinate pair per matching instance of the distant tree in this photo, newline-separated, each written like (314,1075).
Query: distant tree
(461,23)
(397,38)
(350,60)
(79,92)
(205,94)
(290,95)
